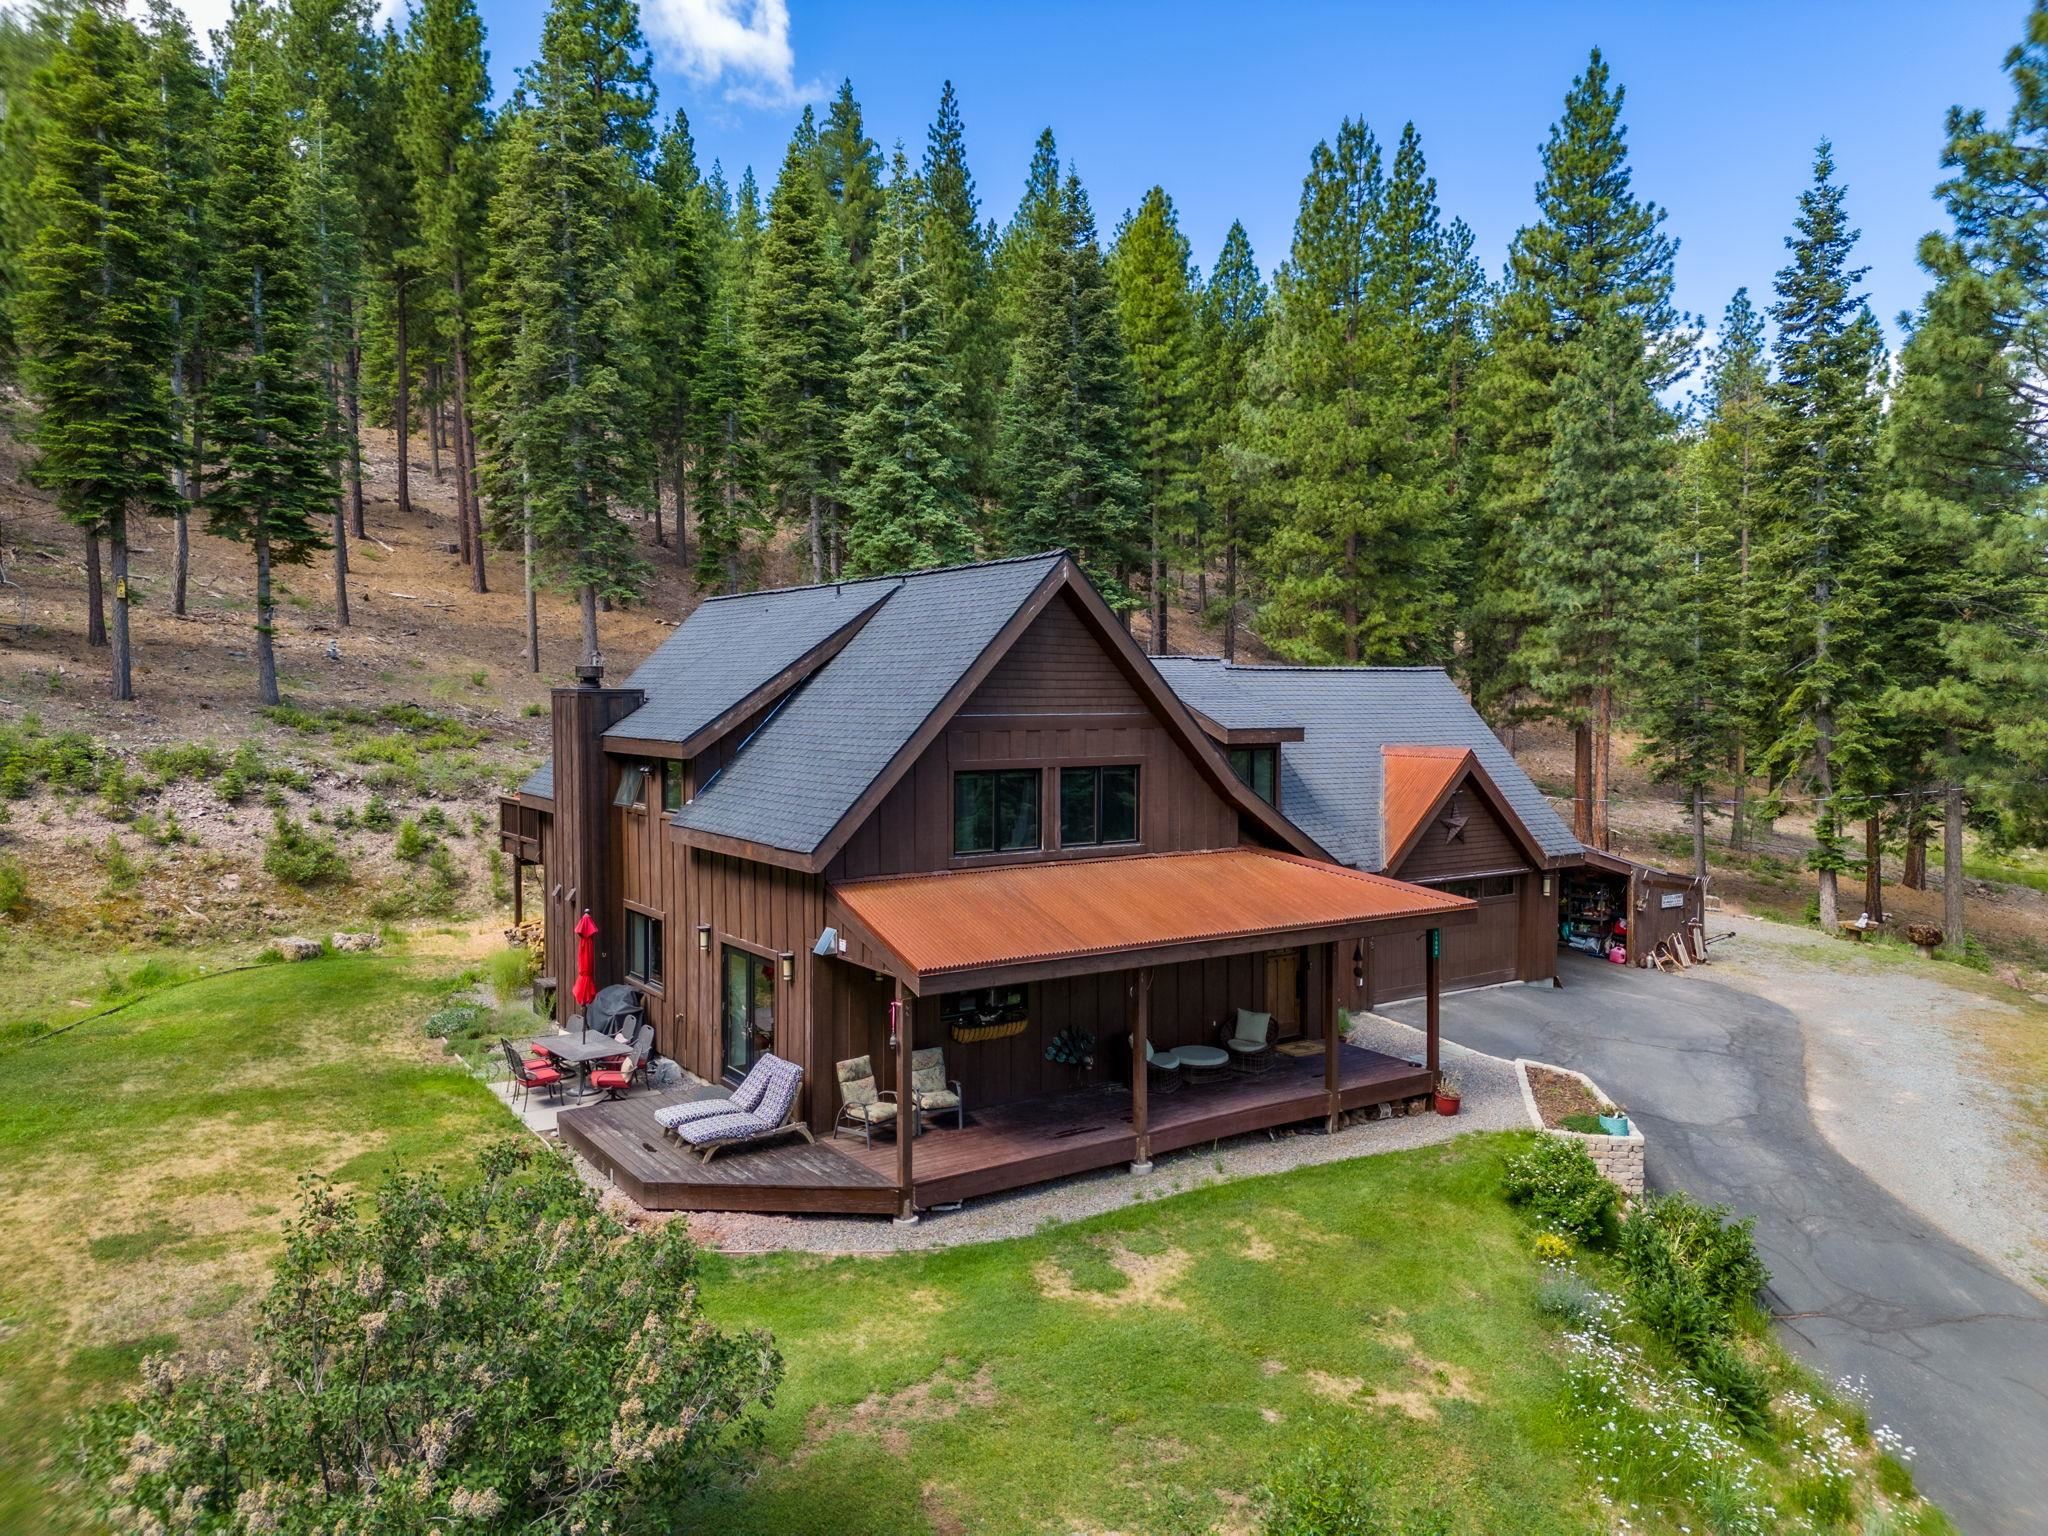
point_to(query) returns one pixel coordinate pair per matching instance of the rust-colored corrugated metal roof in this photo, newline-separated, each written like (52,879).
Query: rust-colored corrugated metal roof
(1415,779)
(967,920)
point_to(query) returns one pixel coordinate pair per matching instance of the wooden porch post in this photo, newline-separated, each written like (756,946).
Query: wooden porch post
(1332,1028)
(1434,951)
(1141,1028)
(518,892)
(906,1111)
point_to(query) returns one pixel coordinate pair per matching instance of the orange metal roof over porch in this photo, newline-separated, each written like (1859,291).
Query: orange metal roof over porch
(983,927)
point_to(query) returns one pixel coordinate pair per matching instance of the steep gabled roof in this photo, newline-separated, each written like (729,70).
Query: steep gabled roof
(733,651)
(1413,782)
(1332,781)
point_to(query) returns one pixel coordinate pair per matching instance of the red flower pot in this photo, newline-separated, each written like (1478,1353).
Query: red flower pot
(1446,1103)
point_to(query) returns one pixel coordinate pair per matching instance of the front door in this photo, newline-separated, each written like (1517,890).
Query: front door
(1283,992)
(749,1010)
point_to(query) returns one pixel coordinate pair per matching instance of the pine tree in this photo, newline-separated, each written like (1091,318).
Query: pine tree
(801,334)
(29,36)
(1064,433)
(906,503)
(725,459)
(1825,550)
(442,129)
(1597,249)
(391,253)
(270,484)
(1039,217)
(1610,500)
(850,171)
(957,258)
(1361,561)
(677,296)
(1151,267)
(95,316)
(184,88)
(1233,331)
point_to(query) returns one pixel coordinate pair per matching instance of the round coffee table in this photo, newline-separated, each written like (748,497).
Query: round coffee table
(1204,1061)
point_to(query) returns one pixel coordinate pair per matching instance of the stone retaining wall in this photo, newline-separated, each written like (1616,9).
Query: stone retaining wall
(1619,1158)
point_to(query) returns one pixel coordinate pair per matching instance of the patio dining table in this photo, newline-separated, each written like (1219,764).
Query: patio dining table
(579,1051)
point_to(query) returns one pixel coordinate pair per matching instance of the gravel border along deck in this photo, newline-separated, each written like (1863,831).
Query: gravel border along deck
(1492,1102)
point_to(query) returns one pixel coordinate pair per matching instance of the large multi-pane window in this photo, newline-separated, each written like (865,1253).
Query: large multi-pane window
(643,948)
(995,811)
(1098,805)
(1257,768)
(749,1009)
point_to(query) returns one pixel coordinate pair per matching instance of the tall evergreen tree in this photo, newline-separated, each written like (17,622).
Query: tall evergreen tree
(391,253)
(270,482)
(29,36)
(1360,565)
(1233,330)
(95,318)
(726,461)
(850,170)
(676,291)
(906,502)
(1825,551)
(801,332)
(957,258)
(1039,217)
(1064,438)
(1596,249)
(443,129)
(1152,269)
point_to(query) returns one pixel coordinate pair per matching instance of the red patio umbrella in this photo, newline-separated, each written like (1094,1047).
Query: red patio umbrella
(585,988)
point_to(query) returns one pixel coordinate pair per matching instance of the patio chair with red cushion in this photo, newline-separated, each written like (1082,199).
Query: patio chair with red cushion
(617,1074)
(528,1076)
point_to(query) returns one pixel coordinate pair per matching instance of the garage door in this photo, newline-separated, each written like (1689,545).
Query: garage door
(1479,956)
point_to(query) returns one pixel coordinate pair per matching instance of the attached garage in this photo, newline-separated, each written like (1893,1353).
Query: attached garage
(1614,905)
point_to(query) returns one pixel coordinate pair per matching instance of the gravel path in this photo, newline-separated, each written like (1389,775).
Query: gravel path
(1492,1101)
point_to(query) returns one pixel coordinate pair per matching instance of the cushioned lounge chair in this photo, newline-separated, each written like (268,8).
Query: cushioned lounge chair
(1250,1041)
(744,1099)
(861,1103)
(1162,1068)
(930,1089)
(775,1117)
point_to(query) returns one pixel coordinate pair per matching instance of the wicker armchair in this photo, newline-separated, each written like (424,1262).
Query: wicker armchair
(1249,1039)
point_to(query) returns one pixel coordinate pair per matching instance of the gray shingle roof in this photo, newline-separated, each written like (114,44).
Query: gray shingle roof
(814,756)
(541,781)
(733,645)
(1330,782)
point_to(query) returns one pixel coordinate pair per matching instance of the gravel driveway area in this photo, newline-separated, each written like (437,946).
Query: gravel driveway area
(1492,1101)
(1713,1063)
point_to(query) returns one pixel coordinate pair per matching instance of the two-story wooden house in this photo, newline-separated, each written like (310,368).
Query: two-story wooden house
(962,799)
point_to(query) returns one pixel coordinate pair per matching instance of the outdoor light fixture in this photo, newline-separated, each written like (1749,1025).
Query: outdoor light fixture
(1546,885)
(788,965)
(703,938)
(1358,965)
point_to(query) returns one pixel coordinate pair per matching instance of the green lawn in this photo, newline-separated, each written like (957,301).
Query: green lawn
(147,1156)
(1144,1371)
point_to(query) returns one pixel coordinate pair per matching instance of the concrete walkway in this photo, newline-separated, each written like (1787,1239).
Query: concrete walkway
(1954,1353)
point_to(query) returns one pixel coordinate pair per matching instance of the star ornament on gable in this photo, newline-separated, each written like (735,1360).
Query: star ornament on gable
(1453,823)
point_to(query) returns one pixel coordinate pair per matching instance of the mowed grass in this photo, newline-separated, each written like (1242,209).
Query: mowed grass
(1146,1370)
(148,1157)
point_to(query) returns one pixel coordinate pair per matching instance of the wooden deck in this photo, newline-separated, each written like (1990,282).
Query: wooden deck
(1009,1146)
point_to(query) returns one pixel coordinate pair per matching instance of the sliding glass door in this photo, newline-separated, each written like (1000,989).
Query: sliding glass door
(749,1010)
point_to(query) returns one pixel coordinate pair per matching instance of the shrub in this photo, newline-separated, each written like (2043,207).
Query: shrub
(14,897)
(187,760)
(1568,1300)
(377,815)
(1718,1254)
(422,1333)
(1737,1387)
(455,1019)
(297,856)
(412,844)
(1551,1248)
(511,972)
(1558,1183)
(1322,1492)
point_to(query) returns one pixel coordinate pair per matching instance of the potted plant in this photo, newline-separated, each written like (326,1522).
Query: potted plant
(1449,1093)
(1614,1119)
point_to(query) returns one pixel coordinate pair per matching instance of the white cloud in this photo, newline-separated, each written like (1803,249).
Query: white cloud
(744,43)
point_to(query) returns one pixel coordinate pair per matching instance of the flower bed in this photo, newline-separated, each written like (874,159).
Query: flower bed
(1551,1094)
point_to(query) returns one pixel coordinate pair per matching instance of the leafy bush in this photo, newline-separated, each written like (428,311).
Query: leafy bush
(298,856)
(70,760)
(1327,1491)
(1559,1184)
(1737,1387)
(123,873)
(1701,1241)
(186,760)
(1568,1300)
(412,844)
(455,1019)
(1551,1248)
(436,895)
(14,897)
(511,972)
(378,815)
(409,1372)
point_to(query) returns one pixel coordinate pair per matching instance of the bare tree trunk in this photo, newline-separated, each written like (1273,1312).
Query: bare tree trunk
(1350,601)
(95,596)
(1699,831)
(355,422)
(1913,876)
(1230,599)
(183,475)
(403,412)
(1738,820)
(682,512)
(1582,782)
(477,581)
(532,594)
(181,560)
(1873,869)
(117,546)
(659,540)
(1158,589)
(587,601)
(1952,867)
(434,417)
(266,614)
(817,540)
(340,565)
(1603,737)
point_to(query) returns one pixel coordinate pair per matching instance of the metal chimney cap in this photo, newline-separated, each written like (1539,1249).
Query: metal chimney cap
(590,674)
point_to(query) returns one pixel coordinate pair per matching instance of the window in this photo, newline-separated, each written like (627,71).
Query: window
(749,1010)
(643,948)
(1492,886)
(672,785)
(1098,805)
(995,812)
(1258,768)
(632,786)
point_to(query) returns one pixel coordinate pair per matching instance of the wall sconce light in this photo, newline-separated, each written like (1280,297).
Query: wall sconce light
(703,938)
(1358,965)
(788,960)
(1546,885)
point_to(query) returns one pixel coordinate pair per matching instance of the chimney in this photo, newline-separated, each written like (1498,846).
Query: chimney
(585,781)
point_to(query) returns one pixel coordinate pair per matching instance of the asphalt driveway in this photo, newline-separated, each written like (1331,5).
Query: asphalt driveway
(1955,1355)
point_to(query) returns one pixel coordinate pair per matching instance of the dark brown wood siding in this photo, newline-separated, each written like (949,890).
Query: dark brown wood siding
(1485,846)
